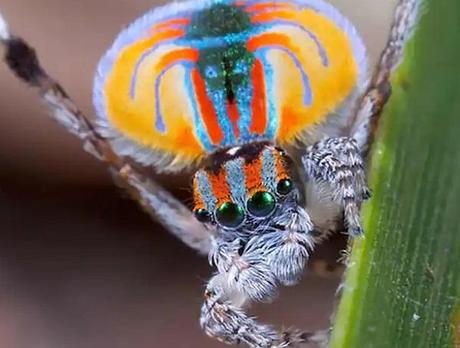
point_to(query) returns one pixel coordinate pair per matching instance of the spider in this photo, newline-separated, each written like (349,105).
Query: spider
(269,102)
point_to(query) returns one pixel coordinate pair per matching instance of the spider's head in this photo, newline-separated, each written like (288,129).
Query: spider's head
(245,188)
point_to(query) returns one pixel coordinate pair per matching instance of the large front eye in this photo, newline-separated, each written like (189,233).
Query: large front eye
(230,215)
(261,204)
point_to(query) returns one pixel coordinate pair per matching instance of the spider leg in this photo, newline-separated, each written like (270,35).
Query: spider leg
(156,201)
(338,163)
(244,276)
(379,89)
(223,318)
(286,248)
(165,208)
(222,315)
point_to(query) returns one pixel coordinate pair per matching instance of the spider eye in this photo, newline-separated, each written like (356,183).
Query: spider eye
(284,186)
(261,204)
(230,215)
(202,215)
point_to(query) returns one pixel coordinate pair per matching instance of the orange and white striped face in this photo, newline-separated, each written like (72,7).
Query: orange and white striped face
(192,78)
(243,185)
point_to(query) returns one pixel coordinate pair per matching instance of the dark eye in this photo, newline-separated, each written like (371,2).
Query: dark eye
(261,204)
(202,215)
(230,215)
(284,186)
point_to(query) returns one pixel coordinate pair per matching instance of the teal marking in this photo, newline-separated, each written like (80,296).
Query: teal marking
(269,171)
(225,66)
(236,180)
(205,190)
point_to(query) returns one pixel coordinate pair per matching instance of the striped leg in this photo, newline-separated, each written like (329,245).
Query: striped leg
(156,201)
(244,276)
(241,276)
(338,162)
(222,319)
(379,90)
(227,322)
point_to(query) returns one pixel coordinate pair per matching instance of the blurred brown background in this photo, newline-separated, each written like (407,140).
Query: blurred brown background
(80,265)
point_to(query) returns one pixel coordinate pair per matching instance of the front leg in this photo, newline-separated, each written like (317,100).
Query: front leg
(223,317)
(338,162)
(244,276)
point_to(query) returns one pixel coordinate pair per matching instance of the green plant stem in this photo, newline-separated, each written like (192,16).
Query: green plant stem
(402,285)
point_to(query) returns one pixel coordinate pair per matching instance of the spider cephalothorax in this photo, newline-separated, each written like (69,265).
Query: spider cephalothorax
(221,82)
(248,193)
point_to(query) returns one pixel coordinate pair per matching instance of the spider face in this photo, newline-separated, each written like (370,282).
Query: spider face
(245,188)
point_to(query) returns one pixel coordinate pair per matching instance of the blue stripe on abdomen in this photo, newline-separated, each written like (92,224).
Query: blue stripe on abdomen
(307,93)
(159,122)
(321,50)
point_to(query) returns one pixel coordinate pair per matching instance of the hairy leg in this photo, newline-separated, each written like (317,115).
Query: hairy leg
(245,269)
(286,248)
(224,320)
(379,90)
(241,276)
(251,271)
(156,201)
(251,264)
(222,317)
(338,163)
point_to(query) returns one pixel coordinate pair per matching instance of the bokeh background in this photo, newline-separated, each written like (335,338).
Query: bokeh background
(80,264)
